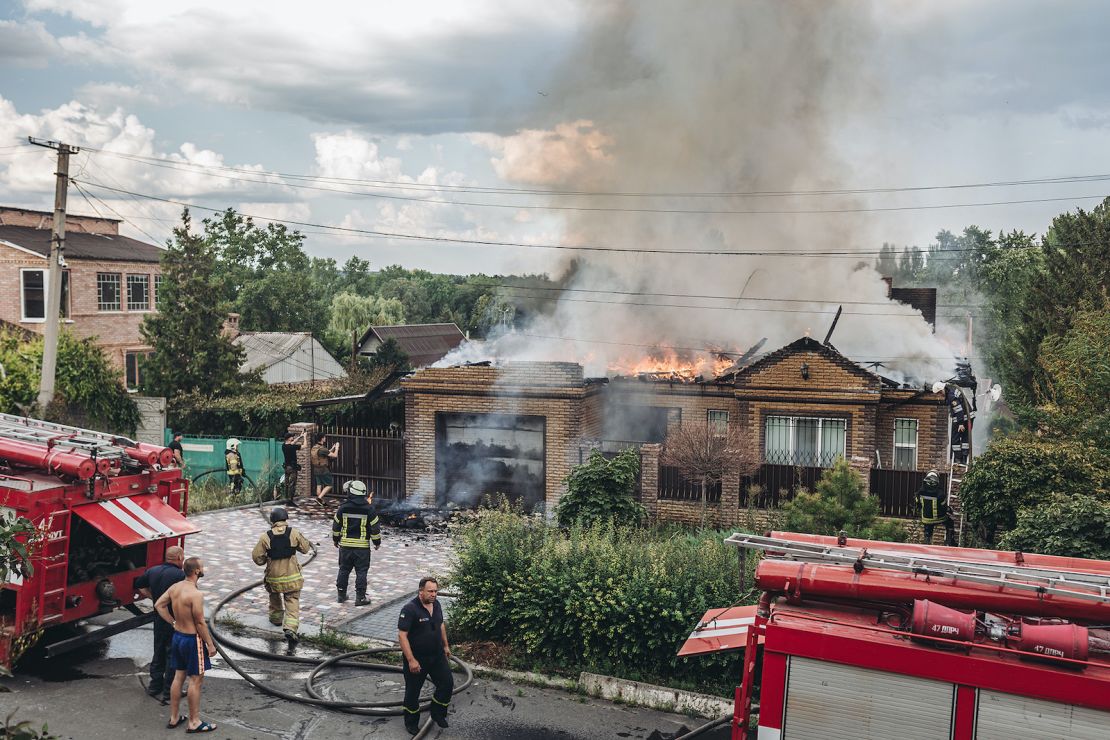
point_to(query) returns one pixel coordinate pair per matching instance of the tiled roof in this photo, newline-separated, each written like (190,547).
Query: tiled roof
(423,343)
(82,245)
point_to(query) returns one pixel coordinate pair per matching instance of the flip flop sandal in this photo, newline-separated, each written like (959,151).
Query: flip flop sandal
(174,725)
(202,727)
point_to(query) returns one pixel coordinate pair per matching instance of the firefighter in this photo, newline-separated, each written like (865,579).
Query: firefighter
(277,549)
(932,500)
(355,526)
(958,414)
(234,462)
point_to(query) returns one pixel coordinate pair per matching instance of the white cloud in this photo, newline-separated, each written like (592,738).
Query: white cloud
(419,66)
(26,44)
(113,94)
(552,157)
(352,156)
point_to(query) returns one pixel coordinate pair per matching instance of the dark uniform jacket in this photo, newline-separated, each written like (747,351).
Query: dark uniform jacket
(931,500)
(356,524)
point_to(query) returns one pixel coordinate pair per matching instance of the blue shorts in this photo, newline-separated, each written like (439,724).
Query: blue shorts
(189,653)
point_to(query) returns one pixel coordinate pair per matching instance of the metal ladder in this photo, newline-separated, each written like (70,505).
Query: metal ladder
(59,436)
(1087,586)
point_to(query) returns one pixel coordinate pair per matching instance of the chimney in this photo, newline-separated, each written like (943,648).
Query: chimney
(889,285)
(231,326)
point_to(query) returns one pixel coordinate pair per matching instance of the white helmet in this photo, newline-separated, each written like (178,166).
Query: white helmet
(233,444)
(354,488)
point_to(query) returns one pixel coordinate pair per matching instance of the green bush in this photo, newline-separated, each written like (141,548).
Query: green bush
(612,599)
(1024,470)
(837,504)
(600,489)
(1075,526)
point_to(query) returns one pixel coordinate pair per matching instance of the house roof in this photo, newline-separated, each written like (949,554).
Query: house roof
(82,245)
(808,344)
(266,348)
(423,343)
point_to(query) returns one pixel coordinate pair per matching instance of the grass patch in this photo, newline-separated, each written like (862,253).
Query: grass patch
(214,492)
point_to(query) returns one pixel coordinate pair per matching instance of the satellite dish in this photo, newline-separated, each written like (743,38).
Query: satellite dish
(938,387)
(996,392)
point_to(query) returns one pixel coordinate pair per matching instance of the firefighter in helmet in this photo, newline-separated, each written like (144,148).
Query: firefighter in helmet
(354,528)
(234,462)
(933,503)
(277,549)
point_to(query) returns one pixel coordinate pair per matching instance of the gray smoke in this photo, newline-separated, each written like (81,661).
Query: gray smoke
(707,96)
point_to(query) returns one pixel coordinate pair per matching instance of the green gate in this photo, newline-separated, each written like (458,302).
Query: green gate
(204,457)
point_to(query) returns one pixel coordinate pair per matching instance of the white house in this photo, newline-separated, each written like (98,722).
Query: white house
(287,357)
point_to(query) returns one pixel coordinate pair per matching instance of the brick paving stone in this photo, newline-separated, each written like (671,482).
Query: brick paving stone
(381,624)
(228,536)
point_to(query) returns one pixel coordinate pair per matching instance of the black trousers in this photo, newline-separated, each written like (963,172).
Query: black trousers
(236,482)
(358,560)
(160,674)
(439,670)
(949,532)
(290,487)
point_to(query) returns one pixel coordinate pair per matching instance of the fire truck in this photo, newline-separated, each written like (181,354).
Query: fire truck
(105,508)
(864,639)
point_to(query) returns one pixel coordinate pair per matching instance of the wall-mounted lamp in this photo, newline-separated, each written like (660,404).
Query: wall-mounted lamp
(805,371)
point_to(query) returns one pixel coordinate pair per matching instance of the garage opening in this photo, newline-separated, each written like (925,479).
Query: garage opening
(483,454)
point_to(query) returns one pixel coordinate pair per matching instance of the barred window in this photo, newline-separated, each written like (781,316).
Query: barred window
(133,365)
(718,422)
(804,441)
(138,292)
(905,444)
(108,291)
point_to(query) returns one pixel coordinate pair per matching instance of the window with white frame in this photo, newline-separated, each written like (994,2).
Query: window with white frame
(905,444)
(133,366)
(138,292)
(157,290)
(108,291)
(32,297)
(718,422)
(804,440)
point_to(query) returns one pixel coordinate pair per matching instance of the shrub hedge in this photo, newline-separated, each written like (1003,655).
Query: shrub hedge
(605,598)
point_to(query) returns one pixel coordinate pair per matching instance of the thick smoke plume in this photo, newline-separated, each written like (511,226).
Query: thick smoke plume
(712,97)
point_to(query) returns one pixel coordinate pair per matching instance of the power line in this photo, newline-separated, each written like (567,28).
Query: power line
(403,185)
(77,185)
(855,254)
(663,211)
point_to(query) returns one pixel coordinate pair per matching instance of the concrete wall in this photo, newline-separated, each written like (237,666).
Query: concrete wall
(152,419)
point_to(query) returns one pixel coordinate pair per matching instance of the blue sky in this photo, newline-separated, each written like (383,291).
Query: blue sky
(563,94)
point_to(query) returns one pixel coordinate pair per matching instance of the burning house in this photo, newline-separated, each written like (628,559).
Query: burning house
(518,429)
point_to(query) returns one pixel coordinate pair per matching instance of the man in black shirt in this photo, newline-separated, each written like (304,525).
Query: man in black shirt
(423,638)
(178,452)
(289,449)
(153,583)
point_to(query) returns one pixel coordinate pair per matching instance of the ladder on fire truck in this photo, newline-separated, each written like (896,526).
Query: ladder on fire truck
(1087,586)
(49,434)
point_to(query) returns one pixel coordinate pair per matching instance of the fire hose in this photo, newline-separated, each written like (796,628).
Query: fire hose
(225,643)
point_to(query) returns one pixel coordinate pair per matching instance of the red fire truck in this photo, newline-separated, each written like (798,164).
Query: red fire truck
(105,508)
(863,639)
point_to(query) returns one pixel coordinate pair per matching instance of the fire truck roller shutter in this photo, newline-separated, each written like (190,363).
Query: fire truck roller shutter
(133,519)
(828,700)
(1007,716)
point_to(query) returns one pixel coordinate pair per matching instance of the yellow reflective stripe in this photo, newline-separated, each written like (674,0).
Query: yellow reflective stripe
(441,703)
(413,711)
(284,579)
(349,542)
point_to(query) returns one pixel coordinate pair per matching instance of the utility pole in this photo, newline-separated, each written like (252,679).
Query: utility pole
(54,272)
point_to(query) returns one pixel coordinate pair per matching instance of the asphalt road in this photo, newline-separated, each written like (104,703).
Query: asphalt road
(98,694)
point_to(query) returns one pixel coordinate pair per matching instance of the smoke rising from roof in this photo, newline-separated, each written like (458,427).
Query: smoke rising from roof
(724,98)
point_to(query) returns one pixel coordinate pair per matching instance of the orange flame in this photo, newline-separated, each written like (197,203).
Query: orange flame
(668,362)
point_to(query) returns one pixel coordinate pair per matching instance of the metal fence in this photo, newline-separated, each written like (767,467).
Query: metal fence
(204,456)
(897,490)
(776,484)
(674,487)
(374,456)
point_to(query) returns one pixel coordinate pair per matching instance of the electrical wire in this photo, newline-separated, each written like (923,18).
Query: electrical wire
(403,185)
(663,211)
(493,243)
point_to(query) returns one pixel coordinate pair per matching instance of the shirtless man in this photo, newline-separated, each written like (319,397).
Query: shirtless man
(182,605)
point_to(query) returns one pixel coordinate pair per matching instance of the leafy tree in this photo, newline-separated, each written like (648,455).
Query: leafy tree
(18,536)
(838,503)
(190,350)
(601,489)
(88,389)
(390,355)
(355,313)
(1074,526)
(703,455)
(1025,471)
(265,275)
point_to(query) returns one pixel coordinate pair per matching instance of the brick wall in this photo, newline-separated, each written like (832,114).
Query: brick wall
(932,426)
(116,331)
(554,391)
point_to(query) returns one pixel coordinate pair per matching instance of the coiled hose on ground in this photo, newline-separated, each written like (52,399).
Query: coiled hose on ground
(224,643)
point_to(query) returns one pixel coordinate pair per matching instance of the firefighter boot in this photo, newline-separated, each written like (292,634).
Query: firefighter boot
(342,596)
(292,638)
(412,723)
(361,600)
